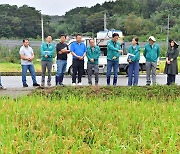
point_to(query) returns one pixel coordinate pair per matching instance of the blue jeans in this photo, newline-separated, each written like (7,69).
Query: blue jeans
(115,65)
(32,72)
(133,70)
(61,67)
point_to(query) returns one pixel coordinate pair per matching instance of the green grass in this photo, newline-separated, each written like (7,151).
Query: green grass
(92,120)
(13,67)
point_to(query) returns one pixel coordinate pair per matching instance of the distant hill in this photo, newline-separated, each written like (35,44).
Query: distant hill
(56,19)
(137,17)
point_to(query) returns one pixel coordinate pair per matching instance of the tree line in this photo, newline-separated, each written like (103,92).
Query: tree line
(137,17)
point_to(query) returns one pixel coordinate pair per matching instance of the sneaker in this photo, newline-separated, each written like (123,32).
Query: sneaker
(36,85)
(90,84)
(49,84)
(61,84)
(2,87)
(79,84)
(148,84)
(25,85)
(73,84)
(42,84)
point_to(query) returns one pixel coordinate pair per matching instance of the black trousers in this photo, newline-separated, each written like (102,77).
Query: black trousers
(78,68)
(171,79)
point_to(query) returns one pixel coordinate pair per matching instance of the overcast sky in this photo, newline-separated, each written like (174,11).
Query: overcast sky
(54,7)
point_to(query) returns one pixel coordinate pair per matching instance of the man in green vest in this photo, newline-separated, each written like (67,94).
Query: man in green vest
(93,53)
(47,52)
(151,53)
(113,53)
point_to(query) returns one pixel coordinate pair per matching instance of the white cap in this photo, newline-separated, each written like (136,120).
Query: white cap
(152,38)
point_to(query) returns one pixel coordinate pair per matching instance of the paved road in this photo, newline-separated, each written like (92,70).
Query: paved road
(15,81)
(15,89)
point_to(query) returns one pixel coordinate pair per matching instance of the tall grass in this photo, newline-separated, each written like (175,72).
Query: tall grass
(92,120)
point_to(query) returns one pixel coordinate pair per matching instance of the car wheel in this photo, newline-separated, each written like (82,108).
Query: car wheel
(70,70)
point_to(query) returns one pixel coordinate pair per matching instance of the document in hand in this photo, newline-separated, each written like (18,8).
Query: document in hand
(130,56)
(46,52)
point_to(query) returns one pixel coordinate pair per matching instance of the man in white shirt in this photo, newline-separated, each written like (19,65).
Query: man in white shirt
(27,56)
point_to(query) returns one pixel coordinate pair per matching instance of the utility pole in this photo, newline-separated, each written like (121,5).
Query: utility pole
(168,28)
(105,22)
(42,27)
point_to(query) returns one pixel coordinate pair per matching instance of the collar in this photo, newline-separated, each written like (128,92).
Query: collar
(78,43)
(92,47)
(113,42)
(62,43)
(152,45)
(26,47)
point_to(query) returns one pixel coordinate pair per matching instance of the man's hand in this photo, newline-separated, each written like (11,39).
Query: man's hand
(92,60)
(63,50)
(78,57)
(171,59)
(121,51)
(81,58)
(46,56)
(114,58)
(129,60)
(30,59)
(168,62)
(60,52)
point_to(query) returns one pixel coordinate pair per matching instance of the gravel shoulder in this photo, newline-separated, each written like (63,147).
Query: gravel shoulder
(15,92)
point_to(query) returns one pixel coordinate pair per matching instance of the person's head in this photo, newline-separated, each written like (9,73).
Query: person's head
(26,42)
(135,41)
(115,37)
(173,44)
(152,40)
(79,38)
(92,42)
(48,39)
(62,38)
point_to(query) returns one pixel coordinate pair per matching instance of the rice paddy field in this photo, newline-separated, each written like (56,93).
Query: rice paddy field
(92,120)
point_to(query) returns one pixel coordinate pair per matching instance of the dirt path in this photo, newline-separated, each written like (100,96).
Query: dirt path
(15,92)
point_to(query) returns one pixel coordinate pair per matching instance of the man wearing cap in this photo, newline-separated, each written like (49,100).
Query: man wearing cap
(151,53)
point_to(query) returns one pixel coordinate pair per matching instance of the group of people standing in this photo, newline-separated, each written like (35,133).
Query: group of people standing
(79,51)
